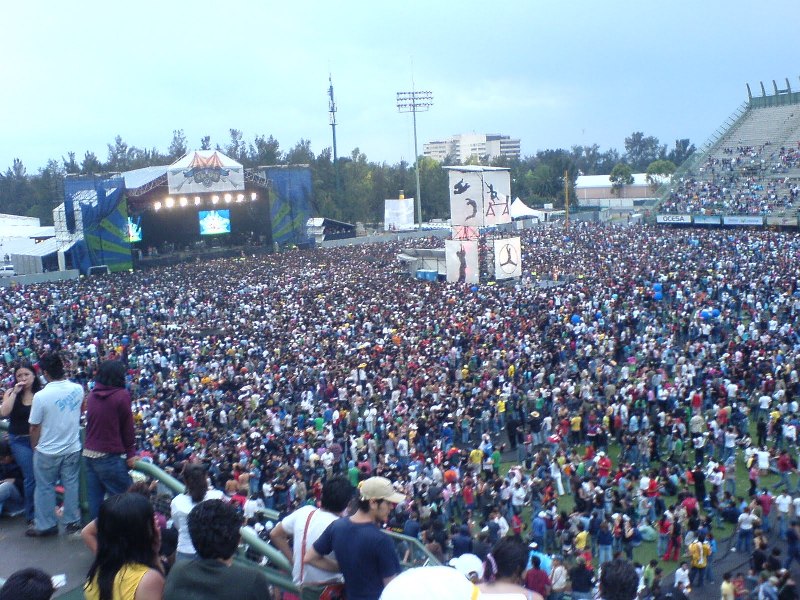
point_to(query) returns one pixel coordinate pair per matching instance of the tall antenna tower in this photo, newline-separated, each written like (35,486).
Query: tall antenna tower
(332,113)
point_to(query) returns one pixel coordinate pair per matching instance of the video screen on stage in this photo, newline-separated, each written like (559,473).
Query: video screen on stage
(134,230)
(214,222)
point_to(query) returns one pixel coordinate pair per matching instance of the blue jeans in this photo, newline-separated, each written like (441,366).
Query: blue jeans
(745,541)
(604,554)
(696,573)
(106,475)
(49,470)
(23,456)
(10,499)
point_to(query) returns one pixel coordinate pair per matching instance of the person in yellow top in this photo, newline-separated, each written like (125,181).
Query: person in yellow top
(476,458)
(726,589)
(699,550)
(581,538)
(501,411)
(575,428)
(126,565)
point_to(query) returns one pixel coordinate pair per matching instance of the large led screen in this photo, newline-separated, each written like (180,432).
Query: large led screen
(214,222)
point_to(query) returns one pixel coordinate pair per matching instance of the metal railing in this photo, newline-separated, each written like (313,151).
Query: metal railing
(278,569)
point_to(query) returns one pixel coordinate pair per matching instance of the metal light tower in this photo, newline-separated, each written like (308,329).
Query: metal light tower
(332,112)
(415,102)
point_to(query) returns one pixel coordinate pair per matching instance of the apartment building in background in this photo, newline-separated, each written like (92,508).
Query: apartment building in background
(463,146)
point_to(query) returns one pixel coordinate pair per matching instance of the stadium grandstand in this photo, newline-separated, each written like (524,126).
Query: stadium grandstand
(750,167)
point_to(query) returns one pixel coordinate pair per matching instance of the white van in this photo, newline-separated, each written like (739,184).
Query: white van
(7,271)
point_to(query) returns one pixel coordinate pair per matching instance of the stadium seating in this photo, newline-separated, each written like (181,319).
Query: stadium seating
(752,169)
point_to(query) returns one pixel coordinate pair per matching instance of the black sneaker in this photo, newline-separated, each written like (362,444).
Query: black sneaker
(33,532)
(73,528)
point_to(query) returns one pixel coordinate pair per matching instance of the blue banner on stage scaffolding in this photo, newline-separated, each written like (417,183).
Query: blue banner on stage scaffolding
(96,215)
(290,203)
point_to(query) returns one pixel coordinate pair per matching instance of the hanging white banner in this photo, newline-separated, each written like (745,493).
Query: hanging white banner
(462,261)
(507,258)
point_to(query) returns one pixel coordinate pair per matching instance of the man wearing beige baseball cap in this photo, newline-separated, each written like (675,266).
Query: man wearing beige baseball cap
(364,554)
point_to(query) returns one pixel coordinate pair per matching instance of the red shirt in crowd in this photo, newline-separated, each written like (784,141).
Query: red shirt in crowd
(538,581)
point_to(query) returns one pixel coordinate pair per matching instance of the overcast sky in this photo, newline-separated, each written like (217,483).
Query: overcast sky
(552,73)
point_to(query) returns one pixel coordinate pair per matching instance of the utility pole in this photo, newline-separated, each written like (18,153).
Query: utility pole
(332,112)
(415,102)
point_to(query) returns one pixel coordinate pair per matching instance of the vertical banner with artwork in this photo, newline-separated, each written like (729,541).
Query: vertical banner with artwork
(507,258)
(479,196)
(496,197)
(466,198)
(461,258)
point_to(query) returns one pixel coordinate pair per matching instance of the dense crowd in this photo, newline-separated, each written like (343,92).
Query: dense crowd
(633,384)
(744,180)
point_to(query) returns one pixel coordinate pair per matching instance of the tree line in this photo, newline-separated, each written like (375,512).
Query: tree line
(364,184)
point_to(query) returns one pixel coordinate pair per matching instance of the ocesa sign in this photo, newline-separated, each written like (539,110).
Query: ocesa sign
(673,218)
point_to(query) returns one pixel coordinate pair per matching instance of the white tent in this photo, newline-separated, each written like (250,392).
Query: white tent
(519,210)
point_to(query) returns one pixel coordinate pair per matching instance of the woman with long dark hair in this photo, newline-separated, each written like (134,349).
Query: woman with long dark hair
(126,565)
(196,480)
(16,406)
(504,567)
(109,450)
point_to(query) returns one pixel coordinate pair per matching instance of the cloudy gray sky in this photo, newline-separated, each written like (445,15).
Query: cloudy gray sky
(553,73)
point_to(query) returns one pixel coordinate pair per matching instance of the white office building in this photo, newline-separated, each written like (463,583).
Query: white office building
(462,146)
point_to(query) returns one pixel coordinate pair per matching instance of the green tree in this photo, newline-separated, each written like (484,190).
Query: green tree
(236,148)
(658,171)
(641,150)
(433,183)
(300,154)
(264,151)
(205,142)
(71,166)
(177,147)
(324,182)
(17,195)
(683,149)
(621,175)
(90,164)
(120,155)
(358,203)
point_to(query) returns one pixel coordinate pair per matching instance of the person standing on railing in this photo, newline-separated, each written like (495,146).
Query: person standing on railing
(109,448)
(16,406)
(55,423)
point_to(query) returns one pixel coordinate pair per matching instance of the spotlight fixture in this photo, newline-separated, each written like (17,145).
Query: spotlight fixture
(184,201)
(228,198)
(240,197)
(253,196)
(214,199)
(169,203)
(157,206)
(197,200)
